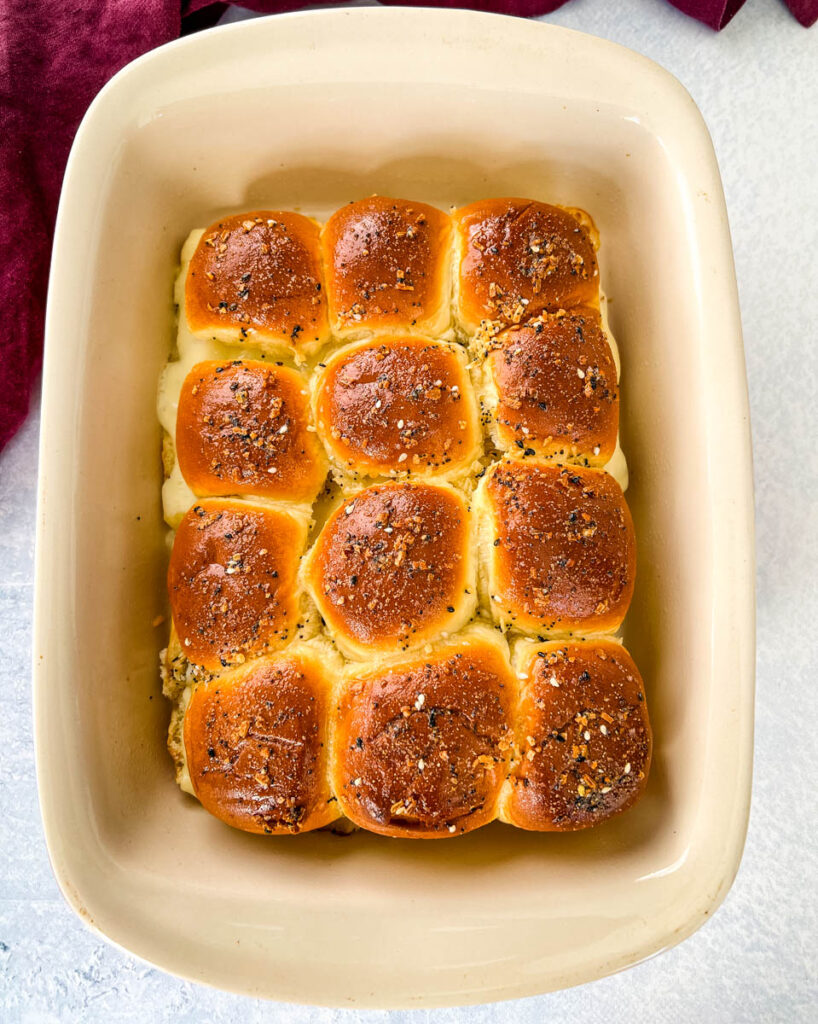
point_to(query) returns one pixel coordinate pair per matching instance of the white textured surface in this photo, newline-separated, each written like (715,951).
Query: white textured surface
(757,85)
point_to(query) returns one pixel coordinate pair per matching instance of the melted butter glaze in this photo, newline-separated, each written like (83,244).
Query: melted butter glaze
(584,737)
(387,263)
(232,581)
(256,746)
(241,428)
(402,404)
(565,556)
(389,568)
(520,257)
(259,274)
(421,748)
(556,386)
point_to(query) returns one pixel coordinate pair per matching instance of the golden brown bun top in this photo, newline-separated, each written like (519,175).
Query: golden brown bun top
(584,735)
(389,568)
(398,403)
(420,747)
(566,557)
(232,581)
(241,428)
(387,264)
(259,275)
(556,386)
(519,257)
(255,740)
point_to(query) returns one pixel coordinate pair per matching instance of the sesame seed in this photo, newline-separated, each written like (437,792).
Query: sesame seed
(349,508)
(420,700)
(421,764)
(452,828)
(586,735)
(272,469)
(356,782)
(284,429)
(628,768)
(400,424)
(580,374)
(604,730)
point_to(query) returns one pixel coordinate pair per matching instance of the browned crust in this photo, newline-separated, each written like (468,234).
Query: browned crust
(259,275)
(420,749)
(389,569)
(232,581)
(387,264)
(584,737)
(556,387)
(437,743)
(398,404)
(519,257)
(256,746)
(241,428)
(563,547)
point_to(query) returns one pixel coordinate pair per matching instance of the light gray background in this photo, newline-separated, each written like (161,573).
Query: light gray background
(757,85)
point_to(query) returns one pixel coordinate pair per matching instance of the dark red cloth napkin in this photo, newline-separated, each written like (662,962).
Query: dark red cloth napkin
(55,55)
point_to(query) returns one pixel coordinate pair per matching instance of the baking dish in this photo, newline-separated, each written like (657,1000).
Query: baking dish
(307,111)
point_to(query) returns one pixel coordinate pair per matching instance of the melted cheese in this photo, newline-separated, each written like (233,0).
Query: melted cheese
(617,466)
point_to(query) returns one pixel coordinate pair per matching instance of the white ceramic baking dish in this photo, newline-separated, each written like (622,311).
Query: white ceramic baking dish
(308,111)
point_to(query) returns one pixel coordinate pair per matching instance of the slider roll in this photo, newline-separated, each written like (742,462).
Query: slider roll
(388,268)
(517,258)
(255,279)
(421,747)
(583,736)
(243,427)
(551,386)
(232,581)
(558,548)
(256,745)
(394,567)
(399,406)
